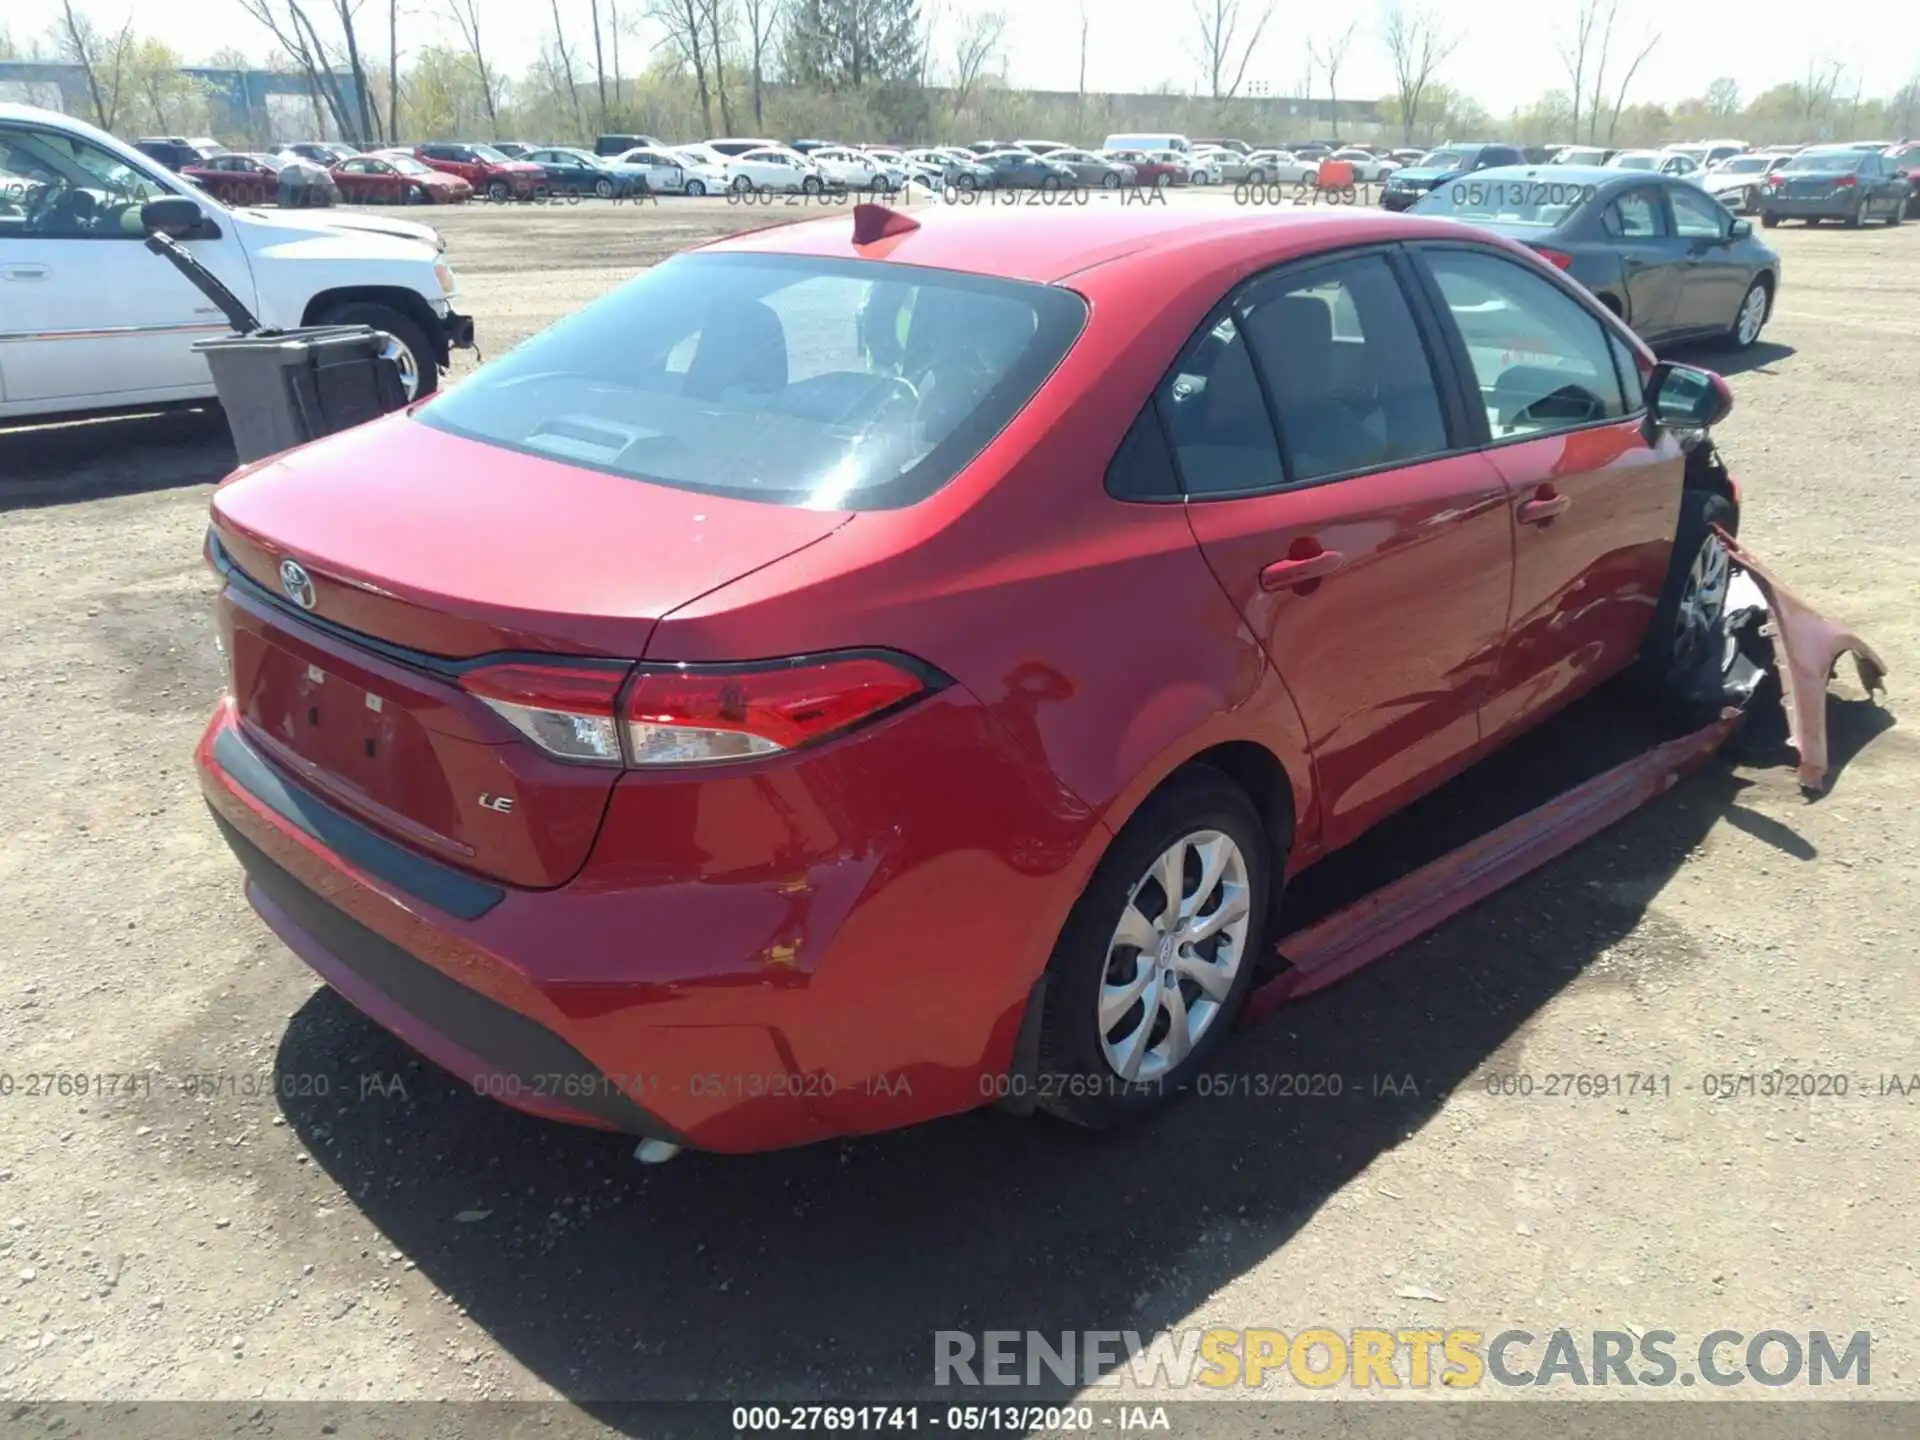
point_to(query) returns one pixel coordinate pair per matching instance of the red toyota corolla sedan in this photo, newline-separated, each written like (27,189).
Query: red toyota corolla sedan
(842,679)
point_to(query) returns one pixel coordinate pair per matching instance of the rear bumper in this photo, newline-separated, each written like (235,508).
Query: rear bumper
(849,952)
(1820,205)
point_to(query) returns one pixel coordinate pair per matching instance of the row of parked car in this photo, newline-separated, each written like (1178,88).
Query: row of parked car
(1854,182)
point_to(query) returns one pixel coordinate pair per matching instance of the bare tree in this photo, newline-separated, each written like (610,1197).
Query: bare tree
(1597,98)
(289,24)
(979,44)
(719,36)
(104,60)
(1620,98)
(362,91)
(1816,94)
(681,19)
(1418,48)
(466,16)
(1080,105)
(1219,36)
(762,17)
(1575,50)
(566,66)
(599,62)
(613,26)
(393,72)
(1330,56)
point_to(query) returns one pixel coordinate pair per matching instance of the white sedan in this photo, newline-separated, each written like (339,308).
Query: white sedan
(1202,168)
(769,169)
(852,170)
(1368,168)
(1280,167)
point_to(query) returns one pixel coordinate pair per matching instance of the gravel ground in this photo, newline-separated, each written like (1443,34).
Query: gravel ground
(288,1206)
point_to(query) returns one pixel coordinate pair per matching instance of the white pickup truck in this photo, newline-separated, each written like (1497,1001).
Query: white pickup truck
(90,319)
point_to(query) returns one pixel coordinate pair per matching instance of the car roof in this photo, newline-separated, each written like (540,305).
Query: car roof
(1564,174)
(1048,246)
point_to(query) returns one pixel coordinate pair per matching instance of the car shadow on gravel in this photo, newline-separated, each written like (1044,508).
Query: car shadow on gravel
(62,462)
(824,1272)
(1762,356)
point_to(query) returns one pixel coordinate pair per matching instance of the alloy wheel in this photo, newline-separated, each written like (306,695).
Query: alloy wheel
(1753,314)
(403,359)
(1703,604)
(1173,957)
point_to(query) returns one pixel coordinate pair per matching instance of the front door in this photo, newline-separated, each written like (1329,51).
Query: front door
(1593,500)
(88,315)
(1715,279)
(1367,546)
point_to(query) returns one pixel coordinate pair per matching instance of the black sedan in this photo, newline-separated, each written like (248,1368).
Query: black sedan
(1660,253)
(1833,182)
(1014,169)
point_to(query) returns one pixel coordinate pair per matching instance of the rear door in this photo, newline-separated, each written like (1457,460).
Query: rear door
(1364,541)
(1651,259)
(1593,499)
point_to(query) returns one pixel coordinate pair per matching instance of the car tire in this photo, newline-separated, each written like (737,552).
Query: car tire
(417,196)
(967,182)
(1768,219)
(1898,213)
(1110,181)
(810,185)
(1256,178)
(1858,217)
(1080,1063)
(499,191)
(603,188)
(1746,326)
(742,185)
(418,357)
(1749,200)
(696,188)
(1666,655)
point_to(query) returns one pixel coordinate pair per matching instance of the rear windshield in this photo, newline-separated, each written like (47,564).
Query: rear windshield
(1830,160)
(1542,203)
(830,384)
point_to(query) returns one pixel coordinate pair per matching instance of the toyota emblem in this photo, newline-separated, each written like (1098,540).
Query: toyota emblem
(297,583)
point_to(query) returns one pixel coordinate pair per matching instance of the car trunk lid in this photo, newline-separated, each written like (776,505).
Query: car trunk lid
(369,572)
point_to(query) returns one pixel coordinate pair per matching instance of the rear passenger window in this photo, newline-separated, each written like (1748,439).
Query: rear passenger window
(1216,419)
(1634,216)
(1540,359)
(1350,380)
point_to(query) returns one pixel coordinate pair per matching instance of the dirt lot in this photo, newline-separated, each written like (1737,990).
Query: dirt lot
(298,1232)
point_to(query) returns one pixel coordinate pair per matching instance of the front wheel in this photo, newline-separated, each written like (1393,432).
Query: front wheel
(742,185)
(810,185)
(498,192)
(1156,960)
(1769,219)
(1858,217)
(1110,181)
(1688,633)
(1256,178)
(695,188)
(1898,213)
(603,188)
(409,349)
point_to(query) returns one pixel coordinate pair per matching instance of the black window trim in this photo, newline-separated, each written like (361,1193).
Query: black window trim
(1456,416)
(1463,362)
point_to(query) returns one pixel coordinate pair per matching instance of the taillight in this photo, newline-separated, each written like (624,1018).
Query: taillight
(1558,258)
(1845,181)
(567,709)
(696,714)
(1773,180)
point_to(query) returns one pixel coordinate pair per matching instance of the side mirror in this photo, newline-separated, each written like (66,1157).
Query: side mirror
(177,216)
(1740,229)
(1685,397)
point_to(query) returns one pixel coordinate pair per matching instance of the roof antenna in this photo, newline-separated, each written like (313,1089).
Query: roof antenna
(873,221)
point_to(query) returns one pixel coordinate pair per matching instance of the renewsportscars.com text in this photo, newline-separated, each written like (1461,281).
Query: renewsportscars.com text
(1320,1357)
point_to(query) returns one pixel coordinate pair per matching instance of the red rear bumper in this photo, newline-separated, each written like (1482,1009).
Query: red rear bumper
(842,944)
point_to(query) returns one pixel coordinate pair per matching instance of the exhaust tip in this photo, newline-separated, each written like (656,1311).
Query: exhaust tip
(655,1152)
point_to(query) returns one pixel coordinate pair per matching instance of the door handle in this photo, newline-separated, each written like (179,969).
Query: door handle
(1543,507)
(1282,574)
(23,272)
